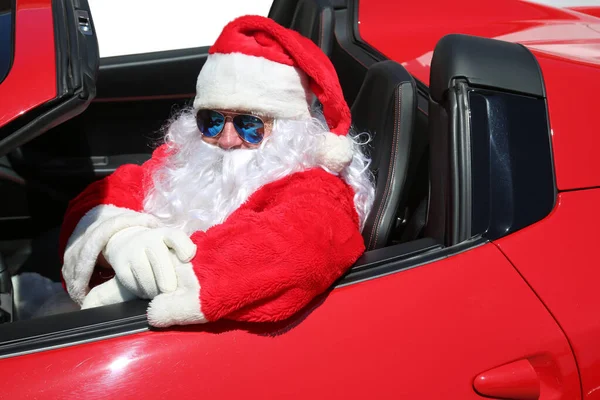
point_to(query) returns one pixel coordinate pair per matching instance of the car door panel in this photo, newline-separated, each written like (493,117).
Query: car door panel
(556,258)
(425,333)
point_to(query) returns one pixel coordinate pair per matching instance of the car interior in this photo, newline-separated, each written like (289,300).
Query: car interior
(130,101)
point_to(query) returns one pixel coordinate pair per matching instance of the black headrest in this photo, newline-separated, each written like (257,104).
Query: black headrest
(386,108)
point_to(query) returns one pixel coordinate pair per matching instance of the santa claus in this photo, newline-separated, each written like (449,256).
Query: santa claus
(254,204)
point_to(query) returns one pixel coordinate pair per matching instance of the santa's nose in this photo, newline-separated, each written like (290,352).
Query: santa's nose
(229,138)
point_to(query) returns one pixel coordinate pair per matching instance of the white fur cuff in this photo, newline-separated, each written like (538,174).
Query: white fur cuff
(181,307)
(89,238)
(335,152)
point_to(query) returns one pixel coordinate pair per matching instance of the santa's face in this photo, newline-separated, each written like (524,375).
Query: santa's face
(203,181)
(230,130)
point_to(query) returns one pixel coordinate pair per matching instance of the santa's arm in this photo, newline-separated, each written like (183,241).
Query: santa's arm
(102,209)
(270,258)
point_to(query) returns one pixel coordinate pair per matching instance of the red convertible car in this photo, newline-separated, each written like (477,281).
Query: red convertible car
(480,278)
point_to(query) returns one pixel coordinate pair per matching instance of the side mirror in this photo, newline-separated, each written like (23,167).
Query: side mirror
(491,163)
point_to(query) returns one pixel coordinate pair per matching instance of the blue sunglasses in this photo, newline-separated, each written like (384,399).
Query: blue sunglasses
(250,128)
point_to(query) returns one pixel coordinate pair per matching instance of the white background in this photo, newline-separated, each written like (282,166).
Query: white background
(568,3)
(141,26)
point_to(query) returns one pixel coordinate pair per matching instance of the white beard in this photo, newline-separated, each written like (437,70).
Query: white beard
(200,185)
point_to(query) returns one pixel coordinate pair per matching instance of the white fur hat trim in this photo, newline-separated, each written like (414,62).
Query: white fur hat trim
(241,82)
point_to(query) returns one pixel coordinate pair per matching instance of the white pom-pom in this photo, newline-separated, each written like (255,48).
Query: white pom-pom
(335,152)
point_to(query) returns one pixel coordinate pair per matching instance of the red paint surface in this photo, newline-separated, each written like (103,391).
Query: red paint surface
(558,258)
(32,79)
(594,11)
(408,31)
(573,120)
(566,43)
(423,333)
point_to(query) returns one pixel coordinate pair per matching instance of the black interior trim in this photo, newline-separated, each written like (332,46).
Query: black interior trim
(375,258)
(71,328)
(460,195)
(61,42)
(418,252)
(449,219)
(171,73)
(336,4)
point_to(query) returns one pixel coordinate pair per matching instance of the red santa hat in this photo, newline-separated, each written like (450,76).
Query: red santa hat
(260,66)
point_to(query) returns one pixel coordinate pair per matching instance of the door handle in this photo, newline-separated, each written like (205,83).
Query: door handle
(516,380)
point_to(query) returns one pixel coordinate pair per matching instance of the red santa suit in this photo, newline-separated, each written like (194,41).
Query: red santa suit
(288,242)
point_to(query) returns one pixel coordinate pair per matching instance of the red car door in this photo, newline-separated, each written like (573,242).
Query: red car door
(421,333)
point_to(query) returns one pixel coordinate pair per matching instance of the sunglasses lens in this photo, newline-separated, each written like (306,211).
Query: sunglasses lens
(210,122)
(250,128)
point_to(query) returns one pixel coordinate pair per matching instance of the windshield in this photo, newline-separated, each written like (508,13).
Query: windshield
(6,39)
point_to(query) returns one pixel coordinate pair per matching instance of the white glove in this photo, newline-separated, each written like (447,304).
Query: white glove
(110,292)
(142,258)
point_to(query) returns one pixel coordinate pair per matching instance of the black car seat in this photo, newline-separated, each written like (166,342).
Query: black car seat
(386,107)
(315,20)
(312,18)
(282,11)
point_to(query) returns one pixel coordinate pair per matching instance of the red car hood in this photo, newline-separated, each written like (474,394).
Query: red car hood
(565,42)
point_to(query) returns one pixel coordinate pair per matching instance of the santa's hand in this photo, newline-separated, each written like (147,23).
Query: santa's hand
(181,307)
(142,258)
(110,292)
